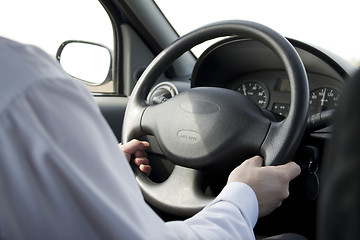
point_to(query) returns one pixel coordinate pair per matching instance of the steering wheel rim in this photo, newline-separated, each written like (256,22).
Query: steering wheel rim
(276,145)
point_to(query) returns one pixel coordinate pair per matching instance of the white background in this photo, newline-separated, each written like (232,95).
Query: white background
(333,25)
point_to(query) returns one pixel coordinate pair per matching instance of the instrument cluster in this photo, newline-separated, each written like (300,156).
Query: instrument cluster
(271,90)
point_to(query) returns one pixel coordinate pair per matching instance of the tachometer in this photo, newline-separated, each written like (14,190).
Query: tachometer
(255,91)
(322,99)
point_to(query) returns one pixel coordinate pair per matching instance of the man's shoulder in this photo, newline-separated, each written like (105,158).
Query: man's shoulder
(22,66)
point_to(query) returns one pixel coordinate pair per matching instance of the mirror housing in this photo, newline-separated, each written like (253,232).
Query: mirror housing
(86,61)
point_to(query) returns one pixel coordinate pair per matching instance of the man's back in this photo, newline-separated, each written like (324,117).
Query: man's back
(59,161)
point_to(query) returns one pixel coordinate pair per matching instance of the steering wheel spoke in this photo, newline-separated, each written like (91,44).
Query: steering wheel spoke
(181,194)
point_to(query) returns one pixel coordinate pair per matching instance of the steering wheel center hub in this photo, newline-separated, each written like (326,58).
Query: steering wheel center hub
(206,127)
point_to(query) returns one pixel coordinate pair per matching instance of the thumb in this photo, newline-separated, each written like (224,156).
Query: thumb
(255,161)
(134,145)
(292,169)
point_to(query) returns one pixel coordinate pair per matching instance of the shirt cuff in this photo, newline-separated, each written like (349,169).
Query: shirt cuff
(243,197)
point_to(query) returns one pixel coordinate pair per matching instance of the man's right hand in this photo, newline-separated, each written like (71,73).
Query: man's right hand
(270,183)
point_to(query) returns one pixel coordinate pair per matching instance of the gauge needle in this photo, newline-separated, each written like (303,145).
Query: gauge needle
(244,89)
(323,98)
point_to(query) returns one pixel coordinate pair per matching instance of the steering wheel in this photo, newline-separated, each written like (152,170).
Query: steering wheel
(206,128)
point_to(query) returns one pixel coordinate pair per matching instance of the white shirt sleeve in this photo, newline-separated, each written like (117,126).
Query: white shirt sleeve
(232,215)
(62,175)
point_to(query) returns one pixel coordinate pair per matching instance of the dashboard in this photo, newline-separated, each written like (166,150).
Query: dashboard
(252,69)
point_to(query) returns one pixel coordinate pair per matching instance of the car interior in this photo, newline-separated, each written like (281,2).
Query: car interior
(251,92)
(293,88)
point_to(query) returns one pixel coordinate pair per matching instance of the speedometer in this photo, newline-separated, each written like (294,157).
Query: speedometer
(322,99)
(255,91)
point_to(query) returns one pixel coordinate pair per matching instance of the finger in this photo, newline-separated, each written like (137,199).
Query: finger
(140,154)
(145,169)
(139,161)
(256,161)
(134,145)
(291,168)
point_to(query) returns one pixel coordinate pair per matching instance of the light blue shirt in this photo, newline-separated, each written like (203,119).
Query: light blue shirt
(62,175)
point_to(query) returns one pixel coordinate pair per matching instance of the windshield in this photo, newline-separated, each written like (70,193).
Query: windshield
(328,24)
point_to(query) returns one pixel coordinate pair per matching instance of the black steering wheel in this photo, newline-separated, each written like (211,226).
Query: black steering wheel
(206,128)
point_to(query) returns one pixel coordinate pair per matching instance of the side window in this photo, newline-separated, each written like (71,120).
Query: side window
(48,24)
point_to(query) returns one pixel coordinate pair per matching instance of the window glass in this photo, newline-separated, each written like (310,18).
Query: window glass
(47,24)
(331,25)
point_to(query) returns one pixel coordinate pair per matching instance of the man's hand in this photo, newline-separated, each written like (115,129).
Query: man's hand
(137,148)
(270,183)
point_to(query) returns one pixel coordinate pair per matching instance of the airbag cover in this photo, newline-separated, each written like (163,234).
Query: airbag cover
(206,127)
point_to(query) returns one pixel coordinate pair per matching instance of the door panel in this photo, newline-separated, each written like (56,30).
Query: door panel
(113,109)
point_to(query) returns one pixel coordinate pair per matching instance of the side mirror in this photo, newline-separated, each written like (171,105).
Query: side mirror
(86,61)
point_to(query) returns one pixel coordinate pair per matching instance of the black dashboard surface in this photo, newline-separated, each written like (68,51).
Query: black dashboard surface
(252,69)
